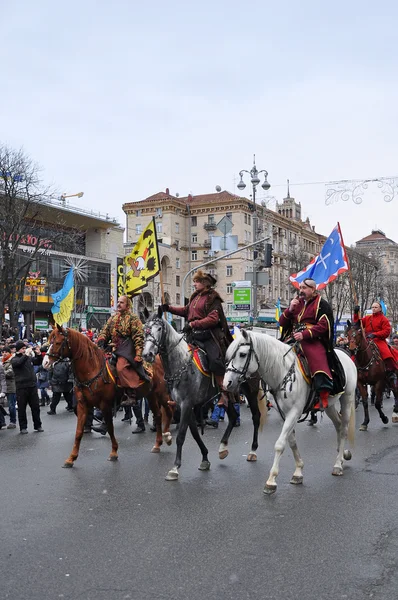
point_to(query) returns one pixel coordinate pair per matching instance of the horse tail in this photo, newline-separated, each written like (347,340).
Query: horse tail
(262,406)
(351,425)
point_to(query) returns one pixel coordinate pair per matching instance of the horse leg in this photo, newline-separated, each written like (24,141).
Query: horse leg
(186,415)
(157,419)
(232,418)
(205,464)
(379,389)
(340,422)
(82,410)
(394,418)
(363,389)
(167,417)
(288,425)
(256,416)
(107,416)
(297,478)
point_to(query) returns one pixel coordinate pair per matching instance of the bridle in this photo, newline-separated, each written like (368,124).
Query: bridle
(370,345)
(65,343)
(159,345)
(243,372)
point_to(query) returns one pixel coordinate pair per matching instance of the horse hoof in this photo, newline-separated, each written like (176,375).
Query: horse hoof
(363,427)
(172,475)
(385,419)
(204,465)
(251,457)
(337,471)
(67,465)
(155,450)
(223,454)
(347,455)
(269,488)
(167,438)
(296,480)
(394,418)
(113,458)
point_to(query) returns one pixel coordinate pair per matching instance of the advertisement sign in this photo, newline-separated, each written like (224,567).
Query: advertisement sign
(241,298)
(41,324)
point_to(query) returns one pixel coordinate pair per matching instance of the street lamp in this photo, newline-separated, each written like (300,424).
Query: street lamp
(254,180)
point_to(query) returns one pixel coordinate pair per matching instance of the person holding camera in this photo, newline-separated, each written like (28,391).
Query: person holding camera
(26,387)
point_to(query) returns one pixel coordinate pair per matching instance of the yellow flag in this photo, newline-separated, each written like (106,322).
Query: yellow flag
(143,260)
(64,300)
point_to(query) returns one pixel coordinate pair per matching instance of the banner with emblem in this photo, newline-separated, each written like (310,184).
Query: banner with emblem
(143,262)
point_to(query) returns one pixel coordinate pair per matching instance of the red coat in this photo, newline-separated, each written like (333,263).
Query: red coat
(380,326)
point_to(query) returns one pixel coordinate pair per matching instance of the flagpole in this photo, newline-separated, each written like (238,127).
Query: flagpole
(349,269)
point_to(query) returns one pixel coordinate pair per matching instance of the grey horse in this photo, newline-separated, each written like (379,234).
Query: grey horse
(190,388)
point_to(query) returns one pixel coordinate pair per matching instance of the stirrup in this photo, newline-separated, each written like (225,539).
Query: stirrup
(129,398)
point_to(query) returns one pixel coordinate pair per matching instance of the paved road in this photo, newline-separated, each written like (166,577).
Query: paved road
(118,530)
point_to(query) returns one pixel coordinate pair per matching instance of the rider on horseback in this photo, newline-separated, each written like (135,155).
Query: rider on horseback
(377,328)
(206,325)
(125,333)
(309,320)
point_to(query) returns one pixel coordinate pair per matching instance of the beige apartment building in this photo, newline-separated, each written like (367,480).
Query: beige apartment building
(185,227)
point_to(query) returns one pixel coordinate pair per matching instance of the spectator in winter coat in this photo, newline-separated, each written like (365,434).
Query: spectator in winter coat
(11,389)
(3,388)
(61,381)
(42,376)
(26,386)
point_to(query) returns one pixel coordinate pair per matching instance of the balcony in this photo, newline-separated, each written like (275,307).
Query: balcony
(210,226)
(207,243)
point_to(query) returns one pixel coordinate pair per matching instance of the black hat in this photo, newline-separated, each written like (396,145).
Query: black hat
(19,345)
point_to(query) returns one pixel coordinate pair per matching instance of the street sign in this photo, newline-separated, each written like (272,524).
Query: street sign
(228,242)
(242,284)
(225,225)
(241,298)
(262,278)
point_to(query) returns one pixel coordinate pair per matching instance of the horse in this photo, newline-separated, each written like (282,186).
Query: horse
(371,370)
(95,386)
(190,388)
(279,367)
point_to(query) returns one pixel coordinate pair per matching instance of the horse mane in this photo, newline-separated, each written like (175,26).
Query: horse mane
(83,347)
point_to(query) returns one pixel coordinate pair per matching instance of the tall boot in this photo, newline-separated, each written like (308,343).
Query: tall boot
(323,400)
(223,401)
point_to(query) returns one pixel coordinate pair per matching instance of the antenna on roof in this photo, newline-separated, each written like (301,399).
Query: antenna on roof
(288,189)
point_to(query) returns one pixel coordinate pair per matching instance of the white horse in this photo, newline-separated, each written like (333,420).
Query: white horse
(279,368)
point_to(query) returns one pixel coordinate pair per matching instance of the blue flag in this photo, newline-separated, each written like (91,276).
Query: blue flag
(64,300)
(328,265)
(383,307)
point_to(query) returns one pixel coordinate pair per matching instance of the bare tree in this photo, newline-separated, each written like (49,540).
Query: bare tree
(338,294)
(23,229)
(391,298)
(365,272)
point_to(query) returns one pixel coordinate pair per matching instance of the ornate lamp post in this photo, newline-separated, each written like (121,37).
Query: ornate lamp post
(254,180)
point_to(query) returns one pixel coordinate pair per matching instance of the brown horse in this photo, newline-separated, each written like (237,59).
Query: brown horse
(96,387)
(371,370)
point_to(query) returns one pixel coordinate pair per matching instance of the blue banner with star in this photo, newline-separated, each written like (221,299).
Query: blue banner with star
(328,265)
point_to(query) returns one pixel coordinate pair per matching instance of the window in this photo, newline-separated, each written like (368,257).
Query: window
(229,270)
(138,229)
(177,226)
(177,243)
(249,219)
(229,308)
(194,255)
(178,263)
(245,219)
(194,238)
(138,213)
(229,215)
(229,288)
(159,227)
(178,299)
(194,221)
(210,219)
(99,296)
(177,281)
(159,212)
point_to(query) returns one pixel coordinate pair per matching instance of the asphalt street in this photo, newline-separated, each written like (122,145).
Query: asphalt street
(119,530)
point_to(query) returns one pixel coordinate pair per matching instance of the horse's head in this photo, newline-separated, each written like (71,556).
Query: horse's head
(154,332)
(242,360)
(354,335)
(58,347)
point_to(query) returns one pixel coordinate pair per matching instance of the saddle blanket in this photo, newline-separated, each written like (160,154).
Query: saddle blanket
(303,366)
(199,359)
(112,373)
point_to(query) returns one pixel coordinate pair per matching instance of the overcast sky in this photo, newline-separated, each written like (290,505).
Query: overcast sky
(123,99)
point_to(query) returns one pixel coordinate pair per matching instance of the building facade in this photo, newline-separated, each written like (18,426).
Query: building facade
(91,241)
(186,228)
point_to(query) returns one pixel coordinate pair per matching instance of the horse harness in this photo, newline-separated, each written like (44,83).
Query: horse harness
(375,354)
(79,384)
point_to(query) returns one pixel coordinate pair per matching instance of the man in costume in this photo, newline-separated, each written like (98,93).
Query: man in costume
(207,325)
(309,321)
(377,328)
(125,333)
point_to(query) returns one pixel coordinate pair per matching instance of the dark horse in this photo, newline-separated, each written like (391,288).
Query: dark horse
(371,370)
(95,386)
(190,388)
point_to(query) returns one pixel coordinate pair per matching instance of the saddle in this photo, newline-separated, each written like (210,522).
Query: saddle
(111,370)
(199,359)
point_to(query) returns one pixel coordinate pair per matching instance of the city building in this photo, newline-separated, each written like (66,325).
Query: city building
(72,235)
(380,248)
(187,229)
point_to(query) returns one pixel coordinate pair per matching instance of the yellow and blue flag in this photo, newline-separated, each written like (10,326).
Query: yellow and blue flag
(64,300)
(278,310)
(383,307)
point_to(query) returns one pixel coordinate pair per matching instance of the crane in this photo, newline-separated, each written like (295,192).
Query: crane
(79,195)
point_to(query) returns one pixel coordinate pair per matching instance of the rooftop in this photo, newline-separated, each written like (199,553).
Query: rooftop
(376,236)
(214,198)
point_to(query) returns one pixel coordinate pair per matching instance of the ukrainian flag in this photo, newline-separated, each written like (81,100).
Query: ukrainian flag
(278,313)
(64,300)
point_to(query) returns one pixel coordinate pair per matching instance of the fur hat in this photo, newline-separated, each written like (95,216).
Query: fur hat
(205,277)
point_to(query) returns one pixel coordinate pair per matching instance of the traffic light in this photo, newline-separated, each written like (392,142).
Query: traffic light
(268,255)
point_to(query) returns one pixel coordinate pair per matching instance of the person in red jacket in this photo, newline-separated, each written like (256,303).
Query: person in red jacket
(377,328)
